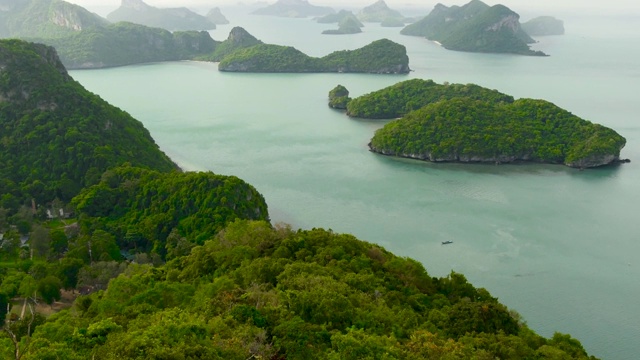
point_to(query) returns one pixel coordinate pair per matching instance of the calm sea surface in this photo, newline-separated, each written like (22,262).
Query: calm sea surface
(560,246)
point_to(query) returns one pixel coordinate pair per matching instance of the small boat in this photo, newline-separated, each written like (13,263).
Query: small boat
(447,242)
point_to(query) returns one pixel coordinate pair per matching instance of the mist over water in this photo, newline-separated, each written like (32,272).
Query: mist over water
(556,244)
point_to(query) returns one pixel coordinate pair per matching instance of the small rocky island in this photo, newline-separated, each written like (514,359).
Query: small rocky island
(380,57)
(379,12)
(469,123)
(474,27)
(544,26)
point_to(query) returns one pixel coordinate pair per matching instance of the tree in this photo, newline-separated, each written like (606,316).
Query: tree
(39,240)
(49,289)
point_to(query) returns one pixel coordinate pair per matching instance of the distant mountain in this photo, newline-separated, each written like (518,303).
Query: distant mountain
(58,137)
(85,40)
(136,11)
(45,19)
(294,9)
(378,12)
(126,43)
(543,26)
(474,27)
(215,16)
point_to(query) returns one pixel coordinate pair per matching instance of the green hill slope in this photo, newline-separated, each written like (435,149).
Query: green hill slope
(259,292)
(56,136)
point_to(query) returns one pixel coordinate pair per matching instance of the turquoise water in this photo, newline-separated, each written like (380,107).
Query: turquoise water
(558,245)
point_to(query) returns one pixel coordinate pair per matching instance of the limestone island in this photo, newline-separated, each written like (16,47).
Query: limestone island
(544,26)
(293,9)
(379,12)
(348,25)
(474,27)
(380,57)
(335,18)
(215,16)
(138,12)
(468,123)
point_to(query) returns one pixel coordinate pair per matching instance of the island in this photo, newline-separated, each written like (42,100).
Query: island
(215,16)
(84,40)
(379,12)
(544,26)
(138,12)
(348,25)
(380,57)
(157,263)
(474,27)
(397,100)
(293,9)
(470,130)
(337,17)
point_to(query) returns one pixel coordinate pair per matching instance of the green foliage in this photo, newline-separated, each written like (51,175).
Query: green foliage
(49,289)
(464,129)
(474,27)
(264,292)
(381,56)
(142,207)
(56,136)
(399,99)
(166,18)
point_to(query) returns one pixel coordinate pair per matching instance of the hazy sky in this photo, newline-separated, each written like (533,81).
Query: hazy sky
(592,6)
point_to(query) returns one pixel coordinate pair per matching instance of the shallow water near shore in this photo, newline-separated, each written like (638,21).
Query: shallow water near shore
(558,245)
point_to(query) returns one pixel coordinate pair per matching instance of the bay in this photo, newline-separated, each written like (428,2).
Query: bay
(558,245)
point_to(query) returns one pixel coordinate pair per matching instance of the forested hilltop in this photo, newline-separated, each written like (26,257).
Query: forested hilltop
(474,27)
(176,265)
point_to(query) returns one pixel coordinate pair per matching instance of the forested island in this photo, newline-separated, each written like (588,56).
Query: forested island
(380,57)
(399,99)
(469,123)
(474,27)
(469,130)
(379,12)
(158,263)
(348,25)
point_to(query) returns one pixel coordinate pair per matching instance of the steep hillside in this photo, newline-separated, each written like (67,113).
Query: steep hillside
(56,136)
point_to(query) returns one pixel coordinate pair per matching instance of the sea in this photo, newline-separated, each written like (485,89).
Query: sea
(558,245)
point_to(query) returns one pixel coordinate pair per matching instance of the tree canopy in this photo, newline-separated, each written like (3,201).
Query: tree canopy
(464,129)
